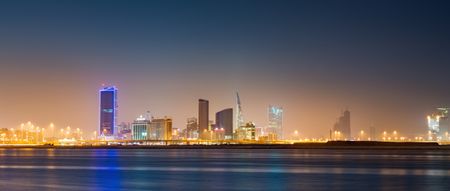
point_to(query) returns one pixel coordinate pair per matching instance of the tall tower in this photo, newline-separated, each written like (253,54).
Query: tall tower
(342,130)
(203,116)
(239,116)
(108,111)
(346,124)
(439,124)
(275,127)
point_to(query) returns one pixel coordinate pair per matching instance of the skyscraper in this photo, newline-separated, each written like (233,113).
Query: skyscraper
(224,120)
(239,116)
(444,123)
(275,127)
(203,116)
(438,124)
(341,129)
(108,111)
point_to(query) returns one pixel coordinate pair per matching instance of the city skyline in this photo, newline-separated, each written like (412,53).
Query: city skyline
(108,106)
(224,95)
(386,61)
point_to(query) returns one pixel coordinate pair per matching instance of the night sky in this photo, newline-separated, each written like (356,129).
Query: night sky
(388,62)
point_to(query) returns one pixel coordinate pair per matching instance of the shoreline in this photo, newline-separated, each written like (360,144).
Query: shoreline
(338,145)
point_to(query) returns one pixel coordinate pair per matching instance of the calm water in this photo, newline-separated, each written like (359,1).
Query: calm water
(102,169)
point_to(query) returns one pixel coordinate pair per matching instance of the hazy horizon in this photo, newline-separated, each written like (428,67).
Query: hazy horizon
(387,62)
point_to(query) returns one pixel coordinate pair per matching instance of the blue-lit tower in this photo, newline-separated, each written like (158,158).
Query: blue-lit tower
(108,111)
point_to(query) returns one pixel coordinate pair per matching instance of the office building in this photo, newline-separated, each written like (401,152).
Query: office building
(246,133)
(176,134)
(108,112)
(239,116)
(139,128)
(160,129)
(275,126)
(224,120)
(439,124)
(191,128)
(249,129)
(203,116)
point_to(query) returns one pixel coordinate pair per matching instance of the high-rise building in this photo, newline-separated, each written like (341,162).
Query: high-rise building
(192,128)
(341,129)
(439,124)
(239,116)
(224,120)
(161,129)
(203,116)
(108,111)
(275,126)
(139,128)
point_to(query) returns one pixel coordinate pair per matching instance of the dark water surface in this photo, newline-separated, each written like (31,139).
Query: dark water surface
(239,169)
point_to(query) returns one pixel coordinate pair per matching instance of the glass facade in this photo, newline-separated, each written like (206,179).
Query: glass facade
(224,120)
(160,129)
(140,128)
(438,124)
(108,111)
(275,126)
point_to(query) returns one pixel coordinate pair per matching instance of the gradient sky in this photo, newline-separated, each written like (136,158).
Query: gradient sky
(387,61)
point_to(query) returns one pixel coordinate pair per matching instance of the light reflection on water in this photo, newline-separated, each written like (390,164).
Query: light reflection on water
(115,169)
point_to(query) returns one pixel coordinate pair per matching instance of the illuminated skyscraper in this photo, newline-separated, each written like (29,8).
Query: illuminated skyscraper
(224,120)
(444,123)
(275,126)
(438,124)
(108,112)
(203,116)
